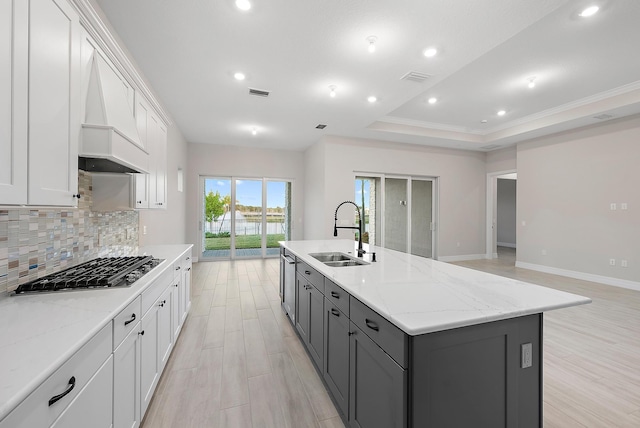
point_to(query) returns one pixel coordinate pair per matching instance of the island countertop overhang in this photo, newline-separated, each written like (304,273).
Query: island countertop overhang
(420,295)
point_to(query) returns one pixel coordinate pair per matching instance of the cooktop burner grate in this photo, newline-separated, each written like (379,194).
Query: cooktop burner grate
(97,273)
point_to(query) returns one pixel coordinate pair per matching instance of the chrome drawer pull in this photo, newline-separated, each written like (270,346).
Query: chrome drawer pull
(335,312)
(133,318)
(335,295)
(72,384)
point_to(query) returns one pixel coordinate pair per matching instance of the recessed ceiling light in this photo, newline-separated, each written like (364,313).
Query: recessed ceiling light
(484,121)
(532,82)
(590,11)
(372,43)
(239,76)
(372,99)
(243,4)
(332,91)
(502,113)
(254,131)
(432,100)
(430,52)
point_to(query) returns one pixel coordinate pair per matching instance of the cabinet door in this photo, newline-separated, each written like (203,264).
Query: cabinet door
(186,288)
(126,382)
(176,306)
(92,406)
(165,327)
(377,385)
(149,361)
(303,304)
(54,102)
(316,326)
(141,182)
(336,355)
(160,155)
(14,33)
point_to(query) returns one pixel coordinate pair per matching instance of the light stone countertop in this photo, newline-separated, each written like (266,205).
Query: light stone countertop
(40,332)
(421,295)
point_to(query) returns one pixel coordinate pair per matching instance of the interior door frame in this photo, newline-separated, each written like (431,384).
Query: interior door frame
(492,211)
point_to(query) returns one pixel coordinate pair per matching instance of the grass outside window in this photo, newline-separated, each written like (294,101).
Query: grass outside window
(243,242)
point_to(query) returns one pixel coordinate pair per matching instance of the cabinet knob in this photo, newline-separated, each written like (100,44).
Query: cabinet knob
(141,333)
(351,333)
(178,268)
(139,202)
(77,195)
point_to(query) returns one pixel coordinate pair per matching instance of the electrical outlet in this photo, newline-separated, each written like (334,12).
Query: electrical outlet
(623,263)
(612,262)
(623,206)
(144,230)
(613,207)
(526,352)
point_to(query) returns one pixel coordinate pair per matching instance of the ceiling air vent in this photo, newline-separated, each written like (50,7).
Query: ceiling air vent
(603,116)
(321,126)
(258,92)
(415,76)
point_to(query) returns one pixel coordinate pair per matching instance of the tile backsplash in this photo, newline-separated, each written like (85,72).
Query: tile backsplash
(35,242)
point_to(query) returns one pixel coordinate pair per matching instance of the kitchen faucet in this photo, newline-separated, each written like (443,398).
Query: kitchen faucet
(359,228)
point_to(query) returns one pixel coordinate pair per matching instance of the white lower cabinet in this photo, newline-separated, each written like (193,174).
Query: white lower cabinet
(68,385)
(126,381)
(93,406)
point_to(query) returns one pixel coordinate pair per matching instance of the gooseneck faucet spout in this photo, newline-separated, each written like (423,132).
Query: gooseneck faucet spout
(359,228)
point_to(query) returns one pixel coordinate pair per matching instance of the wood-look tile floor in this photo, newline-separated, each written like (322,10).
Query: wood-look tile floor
(238,362)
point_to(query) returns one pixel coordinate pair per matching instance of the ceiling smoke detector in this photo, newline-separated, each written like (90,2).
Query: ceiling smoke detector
(321,126)
(416,76)
(258,92)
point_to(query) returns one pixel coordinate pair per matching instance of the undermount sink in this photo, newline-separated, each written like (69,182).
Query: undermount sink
(335,259)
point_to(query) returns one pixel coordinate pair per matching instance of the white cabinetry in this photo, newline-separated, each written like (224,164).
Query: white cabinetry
(39,102)
(76,387)
(93,405)
(126,381)
(13,101)
(54,102)
(151,189)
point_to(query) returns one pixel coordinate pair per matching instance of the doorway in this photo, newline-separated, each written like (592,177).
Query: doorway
(501,233)
(244,217)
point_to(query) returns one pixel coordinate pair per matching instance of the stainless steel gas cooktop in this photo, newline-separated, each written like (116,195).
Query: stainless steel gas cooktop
(98,273)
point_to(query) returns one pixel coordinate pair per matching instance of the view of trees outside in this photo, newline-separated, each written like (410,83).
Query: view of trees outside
(248,214)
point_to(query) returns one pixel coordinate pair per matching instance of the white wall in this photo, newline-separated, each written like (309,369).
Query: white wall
(502,160)
(566,184)
(243,162)
(314,191)
(461,186)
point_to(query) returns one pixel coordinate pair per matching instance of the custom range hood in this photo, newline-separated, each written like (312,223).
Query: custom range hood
(110,140)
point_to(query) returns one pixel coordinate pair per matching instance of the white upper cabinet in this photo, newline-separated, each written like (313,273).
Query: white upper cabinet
(13,101)
(151,189)
(54,103)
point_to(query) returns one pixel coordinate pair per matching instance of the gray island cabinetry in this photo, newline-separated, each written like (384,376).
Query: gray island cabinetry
(412,342)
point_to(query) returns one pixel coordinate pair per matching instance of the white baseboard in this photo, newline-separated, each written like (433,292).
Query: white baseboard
(194,259)
(462,258)
(506,244)
(616,282)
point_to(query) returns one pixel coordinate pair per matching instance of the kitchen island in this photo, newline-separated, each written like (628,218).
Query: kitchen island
(407,341)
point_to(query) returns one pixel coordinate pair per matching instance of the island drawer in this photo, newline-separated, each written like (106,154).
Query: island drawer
(387,336)
(336,295)
(126,321)
(312,275)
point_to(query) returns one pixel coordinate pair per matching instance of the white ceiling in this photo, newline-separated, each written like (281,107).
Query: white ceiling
(189,51)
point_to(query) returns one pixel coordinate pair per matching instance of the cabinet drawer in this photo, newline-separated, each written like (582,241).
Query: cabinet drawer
(35,410)
(126,321)
(155,290)
(336,295)
(177,268)
(312,275)
(390,338)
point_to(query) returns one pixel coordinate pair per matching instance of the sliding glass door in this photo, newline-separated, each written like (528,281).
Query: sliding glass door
(244,217)
(399,211)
